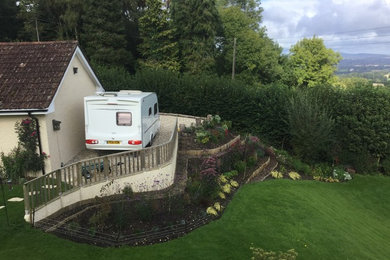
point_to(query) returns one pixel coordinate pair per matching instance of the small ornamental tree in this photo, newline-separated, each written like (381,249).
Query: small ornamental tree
(25,156)
(28,141)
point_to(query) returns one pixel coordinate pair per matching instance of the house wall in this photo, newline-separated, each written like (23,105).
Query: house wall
(8,137)
(64,144)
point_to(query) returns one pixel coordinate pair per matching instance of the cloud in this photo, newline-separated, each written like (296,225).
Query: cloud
(347,25)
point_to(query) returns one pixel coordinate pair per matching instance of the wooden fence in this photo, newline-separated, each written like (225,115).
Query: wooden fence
(44,189)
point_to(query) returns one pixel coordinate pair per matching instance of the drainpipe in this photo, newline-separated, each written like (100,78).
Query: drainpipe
(39,139)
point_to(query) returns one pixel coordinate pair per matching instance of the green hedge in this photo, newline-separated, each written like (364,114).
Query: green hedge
(361,114)
(256,110)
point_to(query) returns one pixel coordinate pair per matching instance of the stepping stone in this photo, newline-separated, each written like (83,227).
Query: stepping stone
(49,186)
(1,207)
(15,199)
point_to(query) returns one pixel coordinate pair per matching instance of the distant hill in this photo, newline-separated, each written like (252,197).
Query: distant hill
(363,62)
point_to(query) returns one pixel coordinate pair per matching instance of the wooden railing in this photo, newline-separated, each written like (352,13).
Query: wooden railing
(42,190)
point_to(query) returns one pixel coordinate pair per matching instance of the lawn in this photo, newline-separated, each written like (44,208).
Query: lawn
(319,220)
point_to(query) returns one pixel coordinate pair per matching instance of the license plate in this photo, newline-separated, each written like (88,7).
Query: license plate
(113,142)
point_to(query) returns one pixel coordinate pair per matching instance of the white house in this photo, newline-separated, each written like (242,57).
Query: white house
(47,81)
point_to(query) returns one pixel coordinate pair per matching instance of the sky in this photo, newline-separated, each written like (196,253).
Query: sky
(347,26)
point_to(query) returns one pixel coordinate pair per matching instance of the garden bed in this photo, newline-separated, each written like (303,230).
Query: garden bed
(146,218)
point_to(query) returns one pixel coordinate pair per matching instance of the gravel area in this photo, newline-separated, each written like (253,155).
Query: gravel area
(167,122)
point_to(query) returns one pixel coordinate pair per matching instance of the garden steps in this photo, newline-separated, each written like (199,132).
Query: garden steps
(263,171)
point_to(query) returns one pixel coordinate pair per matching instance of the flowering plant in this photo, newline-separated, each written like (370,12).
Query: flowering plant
(25,156)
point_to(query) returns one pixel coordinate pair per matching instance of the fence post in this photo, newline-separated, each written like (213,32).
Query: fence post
(106,167)
(27,201)
(158,156)
(142,155)
(79,171)
(44,189)
(58,178)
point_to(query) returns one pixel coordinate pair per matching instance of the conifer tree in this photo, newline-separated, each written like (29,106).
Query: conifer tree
(196,24)
(9,22)
(158,48)
(103,36)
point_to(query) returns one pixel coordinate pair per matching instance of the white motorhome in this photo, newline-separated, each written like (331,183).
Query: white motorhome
(125,120)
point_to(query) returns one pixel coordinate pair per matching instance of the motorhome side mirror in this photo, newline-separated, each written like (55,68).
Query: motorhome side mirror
(56,125)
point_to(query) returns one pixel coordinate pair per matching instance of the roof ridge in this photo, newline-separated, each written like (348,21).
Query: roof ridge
(38,43)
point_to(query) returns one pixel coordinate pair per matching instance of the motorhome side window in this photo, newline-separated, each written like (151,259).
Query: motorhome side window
(155,109)
(150,111)
(123,118)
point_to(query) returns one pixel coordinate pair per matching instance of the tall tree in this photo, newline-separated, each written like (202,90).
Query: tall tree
(10,25)
(103,36)
(49,20)
(251,8)
(258,58)
(158,48)
(28,13)
(133,10)
(70,19)
(196,24)
(312,63)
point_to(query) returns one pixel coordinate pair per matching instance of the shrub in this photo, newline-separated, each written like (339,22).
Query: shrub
(226,188)
(386,166)
(362,161)
(323,170)
(14,163)
(299,166)
(240,166)
(234,184)
(310,127)
(276,175)
(144,210)
(194,189)
(230,174)
(212,129)
(24,157)
(261,254)
(251,161)
(209,167)
(294,175)
(218,206)
(212,211)
(341,175)
(222,179)
(128,192)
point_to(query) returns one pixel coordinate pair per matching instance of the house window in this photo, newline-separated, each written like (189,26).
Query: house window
(150,111)
(123,118)
(155,109)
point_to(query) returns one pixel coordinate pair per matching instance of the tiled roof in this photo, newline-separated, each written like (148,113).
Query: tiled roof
(31,72)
